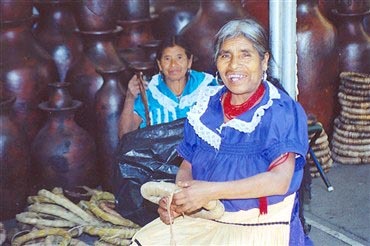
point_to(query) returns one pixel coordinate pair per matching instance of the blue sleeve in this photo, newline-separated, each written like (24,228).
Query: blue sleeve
(140,110)
(288,132)
(186,147)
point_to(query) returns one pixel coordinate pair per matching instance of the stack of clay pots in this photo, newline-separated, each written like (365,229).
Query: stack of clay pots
(321,149)
(351,137)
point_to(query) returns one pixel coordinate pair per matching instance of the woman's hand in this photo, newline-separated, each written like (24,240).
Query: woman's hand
(194,195)
(163,213)
(133,88)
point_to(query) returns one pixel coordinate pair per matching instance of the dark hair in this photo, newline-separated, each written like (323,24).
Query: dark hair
(248,28)
(171,42)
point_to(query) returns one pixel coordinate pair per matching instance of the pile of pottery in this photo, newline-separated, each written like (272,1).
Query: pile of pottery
(321,149)
(351,137)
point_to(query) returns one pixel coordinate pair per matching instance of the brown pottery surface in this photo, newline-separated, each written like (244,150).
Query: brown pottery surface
(200,31)
(15,10)
(354,42)
(55,31)
(317,63)
(64,154)
(173,17)
(96,15)
(99,52)
(134,10)
(14,162)
(109,101)
(134,33)
(26,69)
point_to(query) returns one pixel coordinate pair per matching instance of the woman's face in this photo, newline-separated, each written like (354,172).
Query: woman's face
(240,67)
(174,64)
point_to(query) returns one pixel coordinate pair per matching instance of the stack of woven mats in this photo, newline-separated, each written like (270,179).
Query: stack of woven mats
(351,134)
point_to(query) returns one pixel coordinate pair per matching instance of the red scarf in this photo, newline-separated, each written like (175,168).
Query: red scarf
(231,111)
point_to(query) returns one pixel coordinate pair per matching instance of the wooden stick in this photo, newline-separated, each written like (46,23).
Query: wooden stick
(144,97)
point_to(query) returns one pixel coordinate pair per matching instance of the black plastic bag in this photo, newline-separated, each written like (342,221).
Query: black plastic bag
(147,154)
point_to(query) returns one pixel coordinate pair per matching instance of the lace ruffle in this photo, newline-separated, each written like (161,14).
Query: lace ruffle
(211,137)
(188,100)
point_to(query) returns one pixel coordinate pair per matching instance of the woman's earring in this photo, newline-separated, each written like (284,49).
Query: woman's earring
(218,79)
(264,76)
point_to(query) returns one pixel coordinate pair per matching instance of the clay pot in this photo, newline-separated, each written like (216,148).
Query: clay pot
(173,17)
(258,9)
(96,15)
(14,162)
(317,63)
(354,42)
(26,69)
(134,10)
(59,96)
(204,26)
(99,52)
(15,10)
(150,49)
(134,33)
(109,101)
(352,6)
(326,7)
(55,31)
(64,154)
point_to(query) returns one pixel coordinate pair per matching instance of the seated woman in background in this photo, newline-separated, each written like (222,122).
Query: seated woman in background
(170,93)
(245,145)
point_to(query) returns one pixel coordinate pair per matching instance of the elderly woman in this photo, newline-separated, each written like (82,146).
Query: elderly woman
(245,145)
(170,93)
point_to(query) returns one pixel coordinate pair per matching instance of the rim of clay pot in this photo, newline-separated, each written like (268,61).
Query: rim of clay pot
(75,104)
(60,84)
(151,44)
(335,12)
(142,65)
(112,31)
(128,22)
(111,69)
(16,22)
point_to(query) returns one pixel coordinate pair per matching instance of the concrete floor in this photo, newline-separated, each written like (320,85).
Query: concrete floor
(342,216)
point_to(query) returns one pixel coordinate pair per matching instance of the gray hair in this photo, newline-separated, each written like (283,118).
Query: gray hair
(247,28)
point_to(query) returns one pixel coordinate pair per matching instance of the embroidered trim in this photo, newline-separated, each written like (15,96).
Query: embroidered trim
(162,99)
(185,101)
(198,110)
(213,138)
(248,127)
(188,100)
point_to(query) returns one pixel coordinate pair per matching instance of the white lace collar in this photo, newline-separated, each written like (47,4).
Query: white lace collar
(211,137)
(185,101)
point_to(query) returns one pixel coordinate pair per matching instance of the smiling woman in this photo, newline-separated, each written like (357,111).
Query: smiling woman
(170,94)
(244,144)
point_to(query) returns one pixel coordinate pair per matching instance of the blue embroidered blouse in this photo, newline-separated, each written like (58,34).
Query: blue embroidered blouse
(163,104)
(246,145)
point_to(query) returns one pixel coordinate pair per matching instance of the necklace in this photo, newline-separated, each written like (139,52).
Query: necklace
(231,111)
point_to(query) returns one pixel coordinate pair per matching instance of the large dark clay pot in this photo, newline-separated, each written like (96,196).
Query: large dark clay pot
(99,52)
(26,69)
(109,101)
(199,33)
(14,162)
(354,42)
(317,63)
(11,10)
(55,31)
(63,153)
(258,9)
(173,17)
(96,15)
(134,10)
